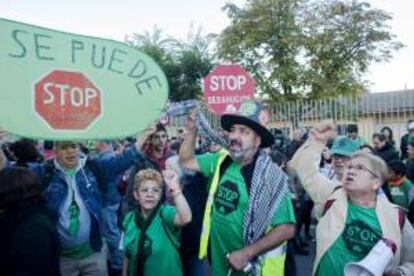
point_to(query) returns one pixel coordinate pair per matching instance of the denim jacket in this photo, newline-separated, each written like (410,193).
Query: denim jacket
(56,191)
(110,194)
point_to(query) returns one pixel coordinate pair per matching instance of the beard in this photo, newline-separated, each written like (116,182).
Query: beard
(236,156)
(242,153)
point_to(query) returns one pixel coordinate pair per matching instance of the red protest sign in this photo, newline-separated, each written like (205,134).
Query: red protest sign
(226,87)
(67,100)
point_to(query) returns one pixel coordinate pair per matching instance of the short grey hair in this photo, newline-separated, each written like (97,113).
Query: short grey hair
(378,166)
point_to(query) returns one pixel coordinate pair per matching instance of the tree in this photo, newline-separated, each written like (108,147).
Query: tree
(160,48)
(196,60)
(184,63)
(264,38)
(311,48)
(342,38)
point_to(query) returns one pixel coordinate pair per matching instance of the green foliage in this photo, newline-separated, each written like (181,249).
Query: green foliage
(184,63)
(304,48)
(342,39)
(264,38)
(196,61)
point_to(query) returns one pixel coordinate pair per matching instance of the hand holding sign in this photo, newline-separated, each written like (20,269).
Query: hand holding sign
(190,122)
(142,138)
(3,134)
(3,159)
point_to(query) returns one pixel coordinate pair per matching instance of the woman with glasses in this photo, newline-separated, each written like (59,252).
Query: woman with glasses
(355,216)
(151,232)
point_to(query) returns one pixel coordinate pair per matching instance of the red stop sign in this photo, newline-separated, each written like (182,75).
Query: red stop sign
(226,87)
(67,100)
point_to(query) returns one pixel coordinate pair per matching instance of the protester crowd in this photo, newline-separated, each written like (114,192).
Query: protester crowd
(235,202)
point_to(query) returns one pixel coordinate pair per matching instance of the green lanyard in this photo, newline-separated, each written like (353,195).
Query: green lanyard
(74,217)
(73,210)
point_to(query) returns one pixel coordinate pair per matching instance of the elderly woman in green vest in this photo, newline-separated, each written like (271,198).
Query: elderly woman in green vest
(356,214)
(152,230)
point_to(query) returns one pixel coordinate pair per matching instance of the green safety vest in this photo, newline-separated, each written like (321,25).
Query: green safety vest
(272,262)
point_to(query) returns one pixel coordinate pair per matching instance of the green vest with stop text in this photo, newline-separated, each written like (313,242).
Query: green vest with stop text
(272,262)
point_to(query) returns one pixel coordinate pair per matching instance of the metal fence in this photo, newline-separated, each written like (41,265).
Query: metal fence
(371,112)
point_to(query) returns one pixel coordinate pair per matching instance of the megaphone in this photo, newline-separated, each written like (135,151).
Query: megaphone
(374,264)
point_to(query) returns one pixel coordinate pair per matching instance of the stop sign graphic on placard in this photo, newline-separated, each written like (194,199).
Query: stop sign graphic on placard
(67,100)
(226,87)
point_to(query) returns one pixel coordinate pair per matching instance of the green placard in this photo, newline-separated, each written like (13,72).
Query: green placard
(57,85)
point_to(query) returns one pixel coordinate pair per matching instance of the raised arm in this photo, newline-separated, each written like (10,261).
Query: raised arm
(305,163)
(143,138)
(187,156)
(113,167)
(183,215)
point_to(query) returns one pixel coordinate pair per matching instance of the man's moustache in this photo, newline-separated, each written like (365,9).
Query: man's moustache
(234,142)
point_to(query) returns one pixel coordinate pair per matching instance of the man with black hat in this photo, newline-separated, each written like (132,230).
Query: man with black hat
(248,214)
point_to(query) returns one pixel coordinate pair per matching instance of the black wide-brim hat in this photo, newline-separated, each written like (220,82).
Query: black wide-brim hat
(250,114)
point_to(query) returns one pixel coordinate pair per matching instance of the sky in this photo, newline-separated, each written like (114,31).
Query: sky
(116,19)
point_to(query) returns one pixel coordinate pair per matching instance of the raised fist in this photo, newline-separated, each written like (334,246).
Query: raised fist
(323,131)
(171,180)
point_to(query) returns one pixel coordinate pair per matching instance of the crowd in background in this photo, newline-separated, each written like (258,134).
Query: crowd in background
(129,169)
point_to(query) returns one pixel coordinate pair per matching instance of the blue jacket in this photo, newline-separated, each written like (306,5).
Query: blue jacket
(110,194)
(56,191)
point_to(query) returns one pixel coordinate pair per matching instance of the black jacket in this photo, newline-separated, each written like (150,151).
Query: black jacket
(29,242)
(195,192)
(404,145)
(388,153)
(410,169)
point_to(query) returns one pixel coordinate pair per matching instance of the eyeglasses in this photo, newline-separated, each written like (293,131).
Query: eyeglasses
(360,168)
(149,190)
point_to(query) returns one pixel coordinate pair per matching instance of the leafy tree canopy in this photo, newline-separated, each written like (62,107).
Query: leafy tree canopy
(307,48)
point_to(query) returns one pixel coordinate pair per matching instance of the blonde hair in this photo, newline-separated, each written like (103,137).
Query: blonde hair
(145,175)
(378,166)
